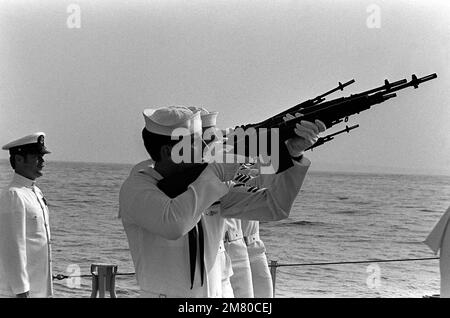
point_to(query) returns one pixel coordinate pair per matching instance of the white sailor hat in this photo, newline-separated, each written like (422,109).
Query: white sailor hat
(163,121)
(33,143)
(209,119)
(195,109)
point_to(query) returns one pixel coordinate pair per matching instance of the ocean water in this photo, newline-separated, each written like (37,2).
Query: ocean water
(336,217)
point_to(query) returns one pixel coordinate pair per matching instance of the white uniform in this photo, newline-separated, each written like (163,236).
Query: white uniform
(256,250)
(439,241)
(241,280)
(157,226)
(261,278)
(25,253)
(227,271)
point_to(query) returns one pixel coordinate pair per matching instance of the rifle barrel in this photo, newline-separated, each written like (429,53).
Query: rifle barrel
(387,86)
(274,120)
(339,87)
(330,137)
(378,95)
(347,129)
(413,82)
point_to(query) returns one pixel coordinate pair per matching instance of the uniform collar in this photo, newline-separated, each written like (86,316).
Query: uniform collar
(21,180)
(150,171)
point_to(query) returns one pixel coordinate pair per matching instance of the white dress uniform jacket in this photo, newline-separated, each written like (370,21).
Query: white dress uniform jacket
(157,226)
(25,253)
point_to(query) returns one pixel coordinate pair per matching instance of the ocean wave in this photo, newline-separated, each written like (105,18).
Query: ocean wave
(361,202)
(350,212)
(304,223)
(409,242)
(409,206)
(363,240)
(428,210)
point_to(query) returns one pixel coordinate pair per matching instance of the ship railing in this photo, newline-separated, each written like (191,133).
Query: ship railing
(103,275)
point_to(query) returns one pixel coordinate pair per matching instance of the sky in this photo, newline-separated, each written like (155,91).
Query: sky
(83,72)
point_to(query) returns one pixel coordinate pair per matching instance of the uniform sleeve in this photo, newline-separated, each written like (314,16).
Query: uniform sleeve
(13,242)
(151,209)
(272,203)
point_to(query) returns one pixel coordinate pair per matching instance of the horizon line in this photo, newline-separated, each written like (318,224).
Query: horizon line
(346,169)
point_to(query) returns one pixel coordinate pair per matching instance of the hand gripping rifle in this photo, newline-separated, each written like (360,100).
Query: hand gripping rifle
(329,112)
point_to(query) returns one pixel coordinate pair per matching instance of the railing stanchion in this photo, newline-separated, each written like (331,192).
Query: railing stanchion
(273,273)
(103,280)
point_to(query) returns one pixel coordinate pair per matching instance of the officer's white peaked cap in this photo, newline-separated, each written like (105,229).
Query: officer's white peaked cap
(33,143)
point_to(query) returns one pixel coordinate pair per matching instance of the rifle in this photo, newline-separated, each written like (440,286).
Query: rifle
(306,104)
(335,111)
(330,137)
(329,112)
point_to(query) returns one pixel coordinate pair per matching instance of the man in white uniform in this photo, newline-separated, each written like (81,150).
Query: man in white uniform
(223,260)
(158,227)
(25,253)
(260,273)
(236,272)
(241,280)
(261,277)
(439,242)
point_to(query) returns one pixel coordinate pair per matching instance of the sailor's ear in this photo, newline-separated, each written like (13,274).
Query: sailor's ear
(18,158)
